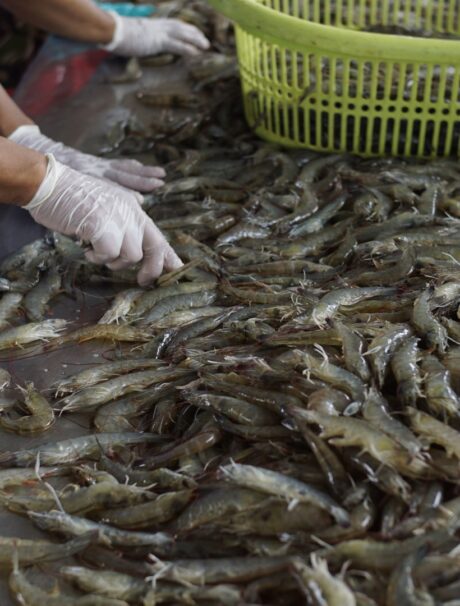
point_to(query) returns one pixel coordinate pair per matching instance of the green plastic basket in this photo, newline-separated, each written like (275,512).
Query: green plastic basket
(312,79)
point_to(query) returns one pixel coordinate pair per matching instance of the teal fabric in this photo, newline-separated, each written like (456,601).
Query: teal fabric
(127,9)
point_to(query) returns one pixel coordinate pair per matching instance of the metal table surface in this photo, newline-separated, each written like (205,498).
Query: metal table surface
(83,122)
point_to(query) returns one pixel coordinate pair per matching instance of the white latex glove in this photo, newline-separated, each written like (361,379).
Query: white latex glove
(107,217)
(128,173)
(138,37)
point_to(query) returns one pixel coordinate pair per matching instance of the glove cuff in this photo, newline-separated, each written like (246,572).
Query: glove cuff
(24,130)
(45,190)
(117,34)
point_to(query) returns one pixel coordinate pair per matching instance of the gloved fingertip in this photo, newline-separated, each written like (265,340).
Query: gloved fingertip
(205,44)
(143,283)
(92,257)
(157,171)
(156,183)
(146,185)
(151,269)
(192,51)
(89,256)
(177,263)
(200,40)
(145,279)
(172,261)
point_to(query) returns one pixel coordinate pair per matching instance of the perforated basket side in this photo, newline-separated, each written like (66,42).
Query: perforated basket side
(309,84)
(441,16)
(337,103)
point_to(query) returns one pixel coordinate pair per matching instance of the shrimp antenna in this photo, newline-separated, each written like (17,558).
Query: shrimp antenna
(47,484)
(452,258)
(322,352)
(320,542)
(15,558)
(37,467)
(55,496)
(163,567)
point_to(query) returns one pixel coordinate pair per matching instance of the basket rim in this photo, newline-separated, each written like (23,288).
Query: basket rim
(289,31)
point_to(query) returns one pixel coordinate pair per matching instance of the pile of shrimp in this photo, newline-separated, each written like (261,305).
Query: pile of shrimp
(278,421)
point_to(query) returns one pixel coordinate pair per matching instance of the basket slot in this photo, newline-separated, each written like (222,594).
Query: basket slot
(396,93)
(455,146)
(255,50)
(363,125)
(323,80)
(276,116)
(407,12)
(329,120)
(438,84)
(293,8)
(418,15)
(265,66)
(303,74)
(357,92)
(338,83)
(415,139)
(351,16)
(452,17)
(327,11)
(438,98)
(423,106)
(453,111)
(275,64)
(297,70)
(303,9)
(361,16)
(403,138)
(288,68)
(395,13)
(322,126)
(345,84)
(442,132)
(350,131)
(319,88)
(372,134)
(430,138)
(428,14)
(290,128)
(375,133)
(388,135)
(440,22)
(316,13)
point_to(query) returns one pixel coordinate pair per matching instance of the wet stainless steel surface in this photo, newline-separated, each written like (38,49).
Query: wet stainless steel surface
(82,122)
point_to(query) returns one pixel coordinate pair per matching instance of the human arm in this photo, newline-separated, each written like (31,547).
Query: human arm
(106,217)
(128,173)
(11,116)
(84,21)
(21,173)
(80,20)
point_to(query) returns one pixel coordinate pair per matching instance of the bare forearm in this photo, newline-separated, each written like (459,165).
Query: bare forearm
(11,117)
(79,20)
(22,171)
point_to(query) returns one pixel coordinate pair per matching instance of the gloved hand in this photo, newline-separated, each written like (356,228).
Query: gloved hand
(135,37)
(107,217)
(128,173)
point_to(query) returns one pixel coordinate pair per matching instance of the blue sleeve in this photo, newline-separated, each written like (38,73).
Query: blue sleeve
(127,9)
